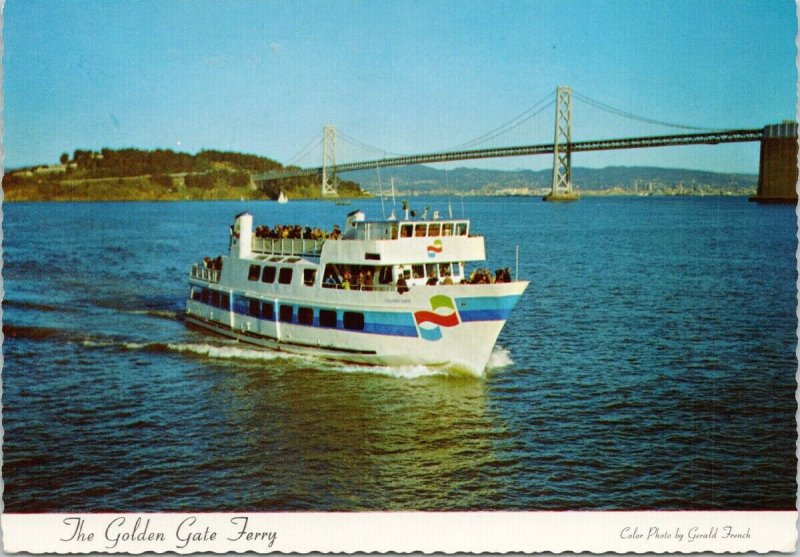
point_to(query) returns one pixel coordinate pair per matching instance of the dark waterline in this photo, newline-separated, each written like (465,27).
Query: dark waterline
(650,365)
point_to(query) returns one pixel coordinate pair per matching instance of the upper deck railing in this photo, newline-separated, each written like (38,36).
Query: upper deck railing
(288,246)
(201,272)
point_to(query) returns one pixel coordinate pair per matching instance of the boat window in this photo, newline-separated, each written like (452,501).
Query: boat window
(407,273)
(305,316)
(267,311)
(254,308)
(353,320)
(394,231)
(224,301)
(431,270)
(327,318)
(268,275)
(444,269)
(285,276)
(276,259)
(309,276)
(447,229)
(372,256)
(419,230)
(205,296)
(254,272)
(433,229)
(215,298)
(405,230)
(197,294)
(461,229)
(417,271)
(285,313)
(385,275)
(292,259)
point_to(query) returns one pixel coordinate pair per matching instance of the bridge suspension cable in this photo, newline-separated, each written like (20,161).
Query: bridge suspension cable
(366,146)
(625,114)
(313,144)
(508,126)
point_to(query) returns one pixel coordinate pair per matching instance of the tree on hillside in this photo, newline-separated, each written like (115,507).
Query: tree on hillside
(64,158)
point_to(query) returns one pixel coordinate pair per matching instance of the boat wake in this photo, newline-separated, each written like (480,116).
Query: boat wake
(170,315)
(500,358)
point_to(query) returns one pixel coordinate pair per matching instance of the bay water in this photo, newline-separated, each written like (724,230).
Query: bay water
(649,365)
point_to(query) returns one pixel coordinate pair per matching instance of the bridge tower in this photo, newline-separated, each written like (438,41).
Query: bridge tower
(561,189)
(330,182)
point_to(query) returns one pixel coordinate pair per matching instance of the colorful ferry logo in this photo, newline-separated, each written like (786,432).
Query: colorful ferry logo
(444,314)
(435,248)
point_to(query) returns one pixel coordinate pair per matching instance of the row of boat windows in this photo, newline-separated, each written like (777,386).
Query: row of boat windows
(383,230)
(268,274)
(326,318)
(214,298)
(433,229)
(368,275)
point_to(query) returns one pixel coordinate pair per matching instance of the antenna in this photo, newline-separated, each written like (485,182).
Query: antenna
(463,212)
(393,216)
(447,187)
(380,190)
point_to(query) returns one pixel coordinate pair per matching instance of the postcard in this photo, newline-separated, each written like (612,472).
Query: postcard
(399,277)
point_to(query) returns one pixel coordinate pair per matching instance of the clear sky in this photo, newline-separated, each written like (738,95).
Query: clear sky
(263,77)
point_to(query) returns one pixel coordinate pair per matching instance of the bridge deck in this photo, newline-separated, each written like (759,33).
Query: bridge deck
(708,138)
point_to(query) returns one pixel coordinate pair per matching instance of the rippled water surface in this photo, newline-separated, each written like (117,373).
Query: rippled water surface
(649,365)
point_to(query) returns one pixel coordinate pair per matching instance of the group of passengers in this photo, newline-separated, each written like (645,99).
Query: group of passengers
(296,232)
(359,280)
(213,264)
(484,276)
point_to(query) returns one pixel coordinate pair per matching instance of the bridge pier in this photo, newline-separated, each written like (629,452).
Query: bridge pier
(330,183)
(777,172)
(562,149)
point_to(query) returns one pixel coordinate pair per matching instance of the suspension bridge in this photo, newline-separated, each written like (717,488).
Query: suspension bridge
(777,172)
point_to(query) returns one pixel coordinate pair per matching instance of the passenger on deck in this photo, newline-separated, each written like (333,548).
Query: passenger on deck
(402,286)
(432,281)
(447,280)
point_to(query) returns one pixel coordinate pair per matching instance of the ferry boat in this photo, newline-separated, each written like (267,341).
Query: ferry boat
(385,292)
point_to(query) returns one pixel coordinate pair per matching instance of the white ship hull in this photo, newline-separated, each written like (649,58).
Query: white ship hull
(392,334)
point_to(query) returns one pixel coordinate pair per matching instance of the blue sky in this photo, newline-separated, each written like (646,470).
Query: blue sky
(401,76)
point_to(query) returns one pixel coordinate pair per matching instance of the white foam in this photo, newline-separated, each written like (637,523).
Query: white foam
(96,343)
(499,358)
(230,352)
(401,372)
(166,314)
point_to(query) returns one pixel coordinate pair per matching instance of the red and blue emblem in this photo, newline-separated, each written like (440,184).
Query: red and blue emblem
(435,248)
(443,314)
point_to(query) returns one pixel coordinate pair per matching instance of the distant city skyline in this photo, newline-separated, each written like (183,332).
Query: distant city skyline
(392,76)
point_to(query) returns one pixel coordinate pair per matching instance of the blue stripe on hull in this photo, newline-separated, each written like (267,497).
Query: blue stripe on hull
(486,308)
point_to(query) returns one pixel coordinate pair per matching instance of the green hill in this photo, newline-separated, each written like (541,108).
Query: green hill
(135,174)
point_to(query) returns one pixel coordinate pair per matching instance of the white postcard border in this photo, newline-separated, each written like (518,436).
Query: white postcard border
(402,532)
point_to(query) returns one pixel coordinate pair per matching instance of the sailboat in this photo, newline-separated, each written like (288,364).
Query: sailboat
(282,198)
